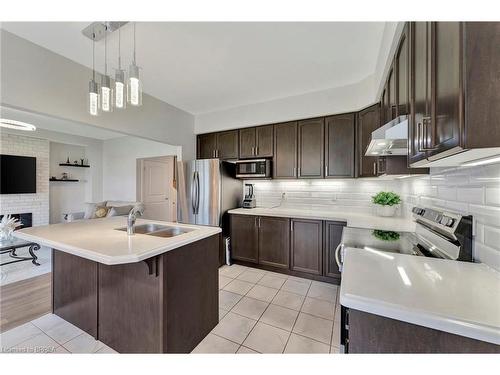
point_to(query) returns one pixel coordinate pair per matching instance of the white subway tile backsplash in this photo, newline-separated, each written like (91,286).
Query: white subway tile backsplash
(492,196)
(470,194)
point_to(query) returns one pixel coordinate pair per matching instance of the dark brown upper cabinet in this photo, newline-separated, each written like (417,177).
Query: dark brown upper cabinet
(285,150)
(420,88)
(391,83)
(247,143)
(311,150)
(446,123)
(368,121)
(307,246)
(227,144)
(274,241)
(340,145)
(245,238)
(454,95)
(333,237)
(403,74)
(207,146)
(222,145)
(256,142)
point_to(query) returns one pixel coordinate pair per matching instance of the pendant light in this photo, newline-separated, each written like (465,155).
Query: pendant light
(134,87)
(94,105)
(106,90)
(120,91)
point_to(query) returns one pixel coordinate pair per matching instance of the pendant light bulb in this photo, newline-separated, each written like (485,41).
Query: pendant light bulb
(120,89)
(93,103)
(134,85)
(106,90)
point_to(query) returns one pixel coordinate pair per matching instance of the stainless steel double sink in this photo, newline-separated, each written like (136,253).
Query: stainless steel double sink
(158,230)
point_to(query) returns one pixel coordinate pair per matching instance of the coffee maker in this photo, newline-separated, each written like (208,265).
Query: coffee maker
(249,200)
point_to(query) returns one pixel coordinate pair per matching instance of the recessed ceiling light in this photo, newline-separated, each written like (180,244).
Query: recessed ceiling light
(18,125)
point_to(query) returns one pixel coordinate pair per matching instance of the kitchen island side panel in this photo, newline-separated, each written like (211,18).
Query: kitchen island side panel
(191,294)
(130,297)
(74,290)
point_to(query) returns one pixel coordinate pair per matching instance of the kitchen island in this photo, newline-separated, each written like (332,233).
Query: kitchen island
(155,292)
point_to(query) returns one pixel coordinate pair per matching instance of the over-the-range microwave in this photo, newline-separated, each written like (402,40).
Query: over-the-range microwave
(253,168)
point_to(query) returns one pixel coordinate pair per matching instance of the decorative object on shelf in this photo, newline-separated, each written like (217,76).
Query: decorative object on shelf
(7,226)
(82,160)
(64,176)
(75,162)
(67,161)
(387,203)
(386,235)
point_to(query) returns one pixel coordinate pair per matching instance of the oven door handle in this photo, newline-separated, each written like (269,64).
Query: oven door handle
(337,256)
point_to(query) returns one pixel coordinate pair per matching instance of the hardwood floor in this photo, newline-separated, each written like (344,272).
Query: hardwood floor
(25,300)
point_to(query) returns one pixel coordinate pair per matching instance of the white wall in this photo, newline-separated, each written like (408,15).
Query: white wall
(38,203)
(318,103)
(120,162)
(38,80)
(67,196)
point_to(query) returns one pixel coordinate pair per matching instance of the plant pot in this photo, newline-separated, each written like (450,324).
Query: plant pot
(386,211)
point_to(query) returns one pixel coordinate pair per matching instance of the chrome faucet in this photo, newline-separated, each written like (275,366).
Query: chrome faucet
(132,216)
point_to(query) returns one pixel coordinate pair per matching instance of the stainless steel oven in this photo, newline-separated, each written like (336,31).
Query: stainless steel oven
(253,168)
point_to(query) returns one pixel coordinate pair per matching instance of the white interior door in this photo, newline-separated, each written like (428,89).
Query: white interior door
(157,189)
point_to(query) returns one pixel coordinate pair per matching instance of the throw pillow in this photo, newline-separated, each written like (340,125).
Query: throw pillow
(119,211)
(90,209)
(101,211)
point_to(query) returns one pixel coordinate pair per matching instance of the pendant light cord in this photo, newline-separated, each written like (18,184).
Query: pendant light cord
(93,56)
(106,51)
(119,49)
(134,42)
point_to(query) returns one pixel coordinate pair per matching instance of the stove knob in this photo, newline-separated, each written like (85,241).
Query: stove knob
(444,220)
(451,222)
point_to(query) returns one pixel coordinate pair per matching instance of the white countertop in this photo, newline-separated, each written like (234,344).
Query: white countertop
(98,240)
(353,219)
(456,297)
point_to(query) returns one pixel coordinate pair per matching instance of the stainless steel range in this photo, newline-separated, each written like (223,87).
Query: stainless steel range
(438,234)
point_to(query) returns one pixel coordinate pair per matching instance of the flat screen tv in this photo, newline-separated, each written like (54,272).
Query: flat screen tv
(17,174)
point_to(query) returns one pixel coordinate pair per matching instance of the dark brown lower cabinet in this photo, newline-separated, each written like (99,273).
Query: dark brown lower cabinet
(370,333)
(74,290)
(245,238)
(306,247)
(274,241)
(333,237)
(165,304)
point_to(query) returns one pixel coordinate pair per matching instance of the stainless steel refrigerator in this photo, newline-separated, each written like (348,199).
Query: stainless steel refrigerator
(207,188)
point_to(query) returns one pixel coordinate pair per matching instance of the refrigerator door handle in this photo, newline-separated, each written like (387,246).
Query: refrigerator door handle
(197,192)
(193,204)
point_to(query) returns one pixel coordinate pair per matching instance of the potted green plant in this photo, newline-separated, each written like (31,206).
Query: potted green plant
(386,202)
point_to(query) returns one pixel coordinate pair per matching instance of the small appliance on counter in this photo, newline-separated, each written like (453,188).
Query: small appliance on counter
(249,201)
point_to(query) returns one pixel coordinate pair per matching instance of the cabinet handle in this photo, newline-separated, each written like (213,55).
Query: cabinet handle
(291,226)
(375,168)
(299,172)
(421,130)
(326,170)
(294,174)
(255,221)
(259,221)
(257,151)
(253,150)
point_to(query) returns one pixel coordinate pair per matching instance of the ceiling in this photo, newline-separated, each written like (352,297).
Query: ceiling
(203,67)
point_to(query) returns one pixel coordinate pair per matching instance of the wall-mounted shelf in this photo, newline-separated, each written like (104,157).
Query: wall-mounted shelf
(61,180)
(73,165)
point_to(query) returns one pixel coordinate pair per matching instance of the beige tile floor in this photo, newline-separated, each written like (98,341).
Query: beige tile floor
(267,312)
(50,334)
(259,312)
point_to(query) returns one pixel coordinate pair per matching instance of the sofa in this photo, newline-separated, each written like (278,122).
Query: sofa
(110,208)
